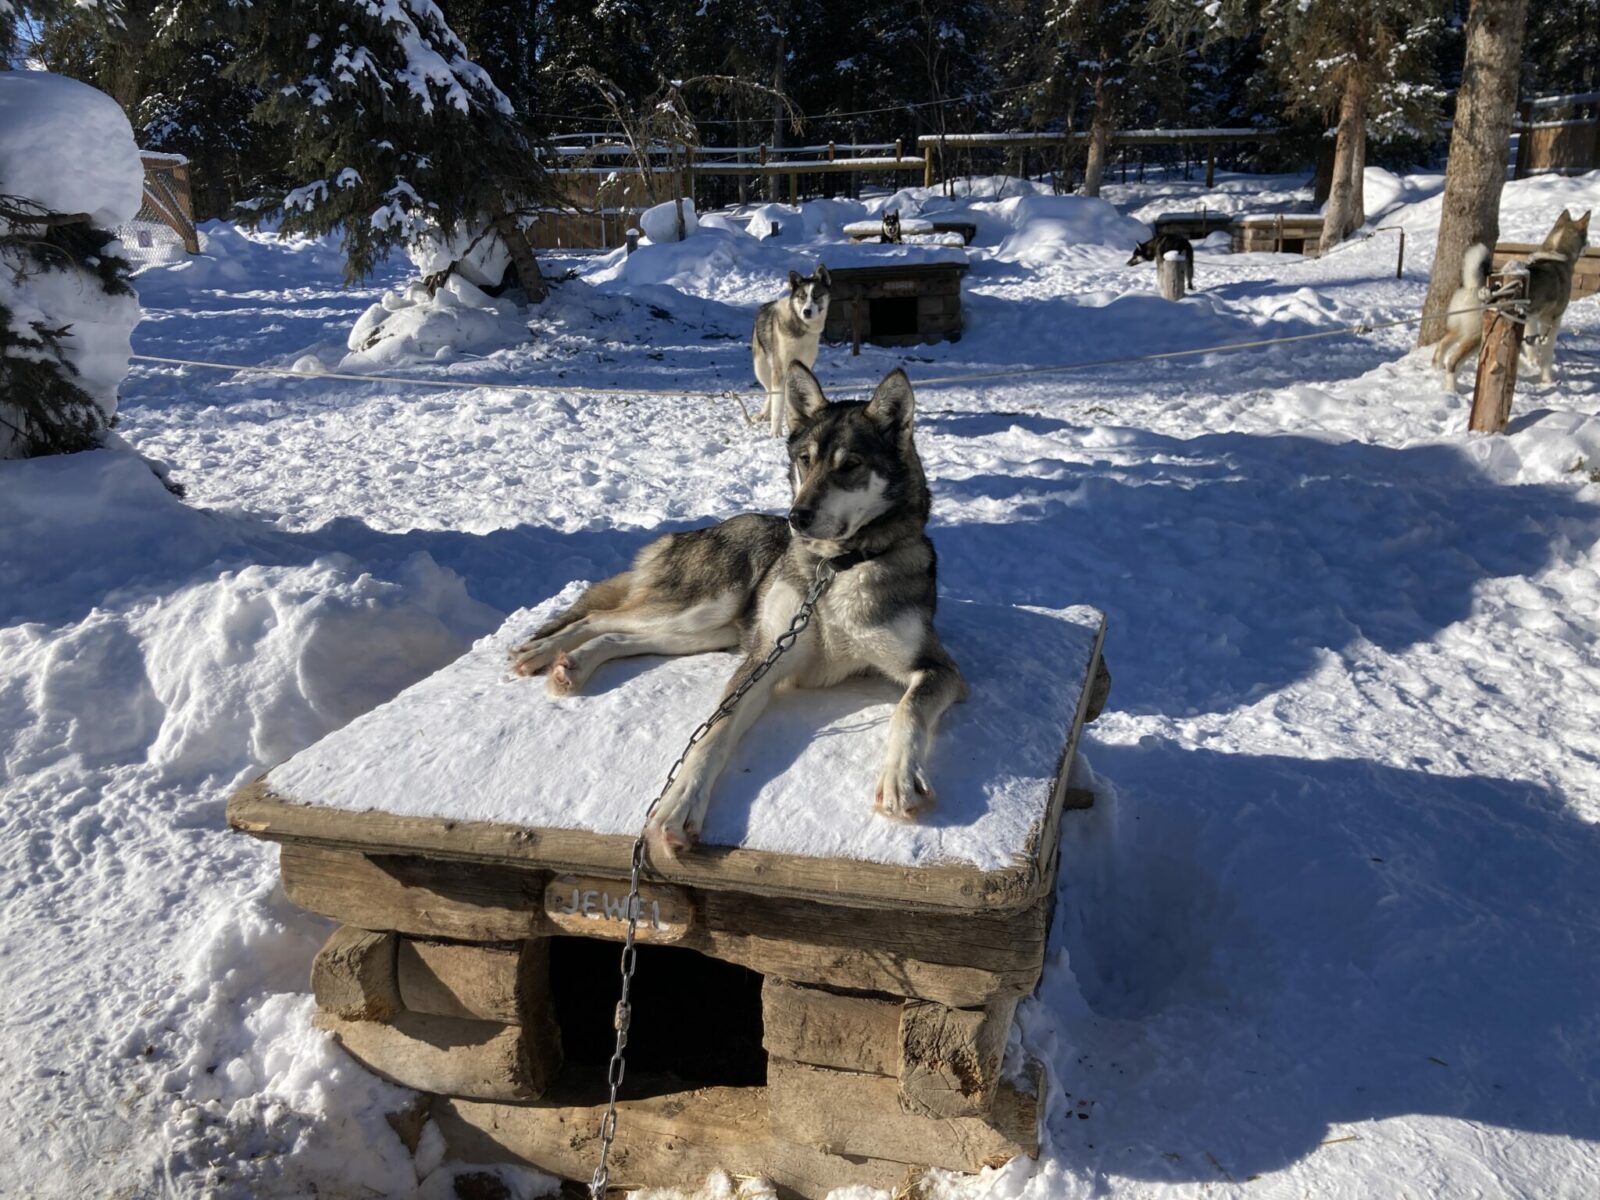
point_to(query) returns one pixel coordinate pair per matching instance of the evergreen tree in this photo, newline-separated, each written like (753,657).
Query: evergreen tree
(393,133)
(1561,54)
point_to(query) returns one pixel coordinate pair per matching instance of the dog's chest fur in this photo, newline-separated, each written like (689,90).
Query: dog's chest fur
(851,631)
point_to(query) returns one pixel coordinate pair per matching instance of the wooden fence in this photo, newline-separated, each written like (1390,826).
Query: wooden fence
(1558,135)
(606,190)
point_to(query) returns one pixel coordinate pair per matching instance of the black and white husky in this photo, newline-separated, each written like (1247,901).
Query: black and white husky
(861,504)
(1550,271)
(788,330)
(1160,246)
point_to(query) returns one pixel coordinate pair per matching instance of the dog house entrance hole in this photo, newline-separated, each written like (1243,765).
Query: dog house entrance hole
(894,316)
(696,1020)
(1294,245)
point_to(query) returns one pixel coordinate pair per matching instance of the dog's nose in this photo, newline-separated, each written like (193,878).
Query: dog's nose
(809,312)
(800,518)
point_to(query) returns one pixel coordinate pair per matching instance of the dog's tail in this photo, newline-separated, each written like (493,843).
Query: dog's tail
(1475,266)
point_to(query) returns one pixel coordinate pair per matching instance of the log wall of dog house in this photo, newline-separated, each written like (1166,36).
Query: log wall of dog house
(963,961)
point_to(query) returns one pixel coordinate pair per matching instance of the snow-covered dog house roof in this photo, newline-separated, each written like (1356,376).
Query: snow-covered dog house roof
(853,980)
(473,763)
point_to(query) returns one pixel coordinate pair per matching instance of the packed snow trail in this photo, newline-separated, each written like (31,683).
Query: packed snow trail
(1332,923)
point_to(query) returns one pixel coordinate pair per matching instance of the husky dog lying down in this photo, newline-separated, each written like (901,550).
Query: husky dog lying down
(860,503)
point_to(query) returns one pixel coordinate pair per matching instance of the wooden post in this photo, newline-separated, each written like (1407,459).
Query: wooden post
(1497,361)
(794,187)
(632,237)
(1211,164)
(1169,276)
(1400,259)
(927,168)
(855,324)
(897,150)
(1524,142)
(830,151)
(1278,249)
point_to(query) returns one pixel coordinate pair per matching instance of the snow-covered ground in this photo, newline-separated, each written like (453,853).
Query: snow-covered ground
(1331,929)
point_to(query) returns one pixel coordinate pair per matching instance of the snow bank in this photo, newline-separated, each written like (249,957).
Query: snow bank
(1045,228)
(660,222)
(409,324)
(69,147)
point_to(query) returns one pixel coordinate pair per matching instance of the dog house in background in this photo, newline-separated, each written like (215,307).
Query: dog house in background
(1278,233)
(822,1021)
(896,303)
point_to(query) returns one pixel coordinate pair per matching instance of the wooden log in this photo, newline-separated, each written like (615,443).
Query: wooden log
(479,1060)
(1169,277)
(1496,382)
(675,1137)
(671,1138)
(353,975)
(962,961)
(846,1113)
(829,1029)
(479,904)
(950,1057)
(508,984)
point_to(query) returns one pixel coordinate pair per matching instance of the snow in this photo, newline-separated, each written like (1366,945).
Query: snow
(1330,924)
(804,788)
(69,147)
(660,221)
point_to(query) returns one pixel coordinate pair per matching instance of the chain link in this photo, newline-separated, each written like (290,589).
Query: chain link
(623,1015)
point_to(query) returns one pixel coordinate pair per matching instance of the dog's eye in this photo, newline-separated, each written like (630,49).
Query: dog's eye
(850,463)
(804,459)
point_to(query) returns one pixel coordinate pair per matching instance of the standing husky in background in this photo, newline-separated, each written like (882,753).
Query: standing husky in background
(860,503)
(1463,323)
(787,331)
(1550,270)
(1159,246)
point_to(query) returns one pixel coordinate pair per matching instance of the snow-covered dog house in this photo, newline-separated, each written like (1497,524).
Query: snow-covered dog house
(903,295)
(823,996)
(1279,233)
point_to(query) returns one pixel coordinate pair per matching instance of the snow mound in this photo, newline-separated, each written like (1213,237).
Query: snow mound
(69,147)
(409,324)
(660,222)
(1046,229)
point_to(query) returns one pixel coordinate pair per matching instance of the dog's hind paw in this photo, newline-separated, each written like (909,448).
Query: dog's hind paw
(668,841)
(563,679)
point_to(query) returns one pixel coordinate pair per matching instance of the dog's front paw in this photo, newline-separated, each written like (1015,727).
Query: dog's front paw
(564,678)
(675,825)
(532,657)
(903,789)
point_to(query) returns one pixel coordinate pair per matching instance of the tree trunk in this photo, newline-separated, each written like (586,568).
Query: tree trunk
(780,58)
(1100,130)
(1480,143)
(522,256)
(1344,213)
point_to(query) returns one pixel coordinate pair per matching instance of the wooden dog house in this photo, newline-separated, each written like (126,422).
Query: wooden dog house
(1585,278)
(1278,233)
(818,1019)
(1196,226)
(896,303)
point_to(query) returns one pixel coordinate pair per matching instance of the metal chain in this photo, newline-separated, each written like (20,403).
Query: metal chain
(624,1013)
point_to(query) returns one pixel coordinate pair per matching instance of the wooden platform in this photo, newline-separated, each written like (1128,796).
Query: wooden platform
(1585,279)
(867,1012)
(1193,225)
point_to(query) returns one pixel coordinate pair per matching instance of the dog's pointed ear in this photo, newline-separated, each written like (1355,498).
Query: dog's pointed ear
(892,405)
(1583,222)
(823,277)
(802,394)
(795,279)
